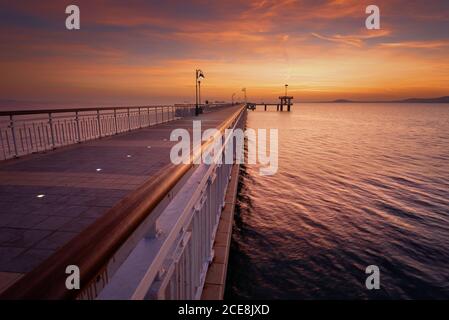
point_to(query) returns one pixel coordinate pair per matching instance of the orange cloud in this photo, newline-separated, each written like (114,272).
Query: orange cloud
(353,40)
(417,44)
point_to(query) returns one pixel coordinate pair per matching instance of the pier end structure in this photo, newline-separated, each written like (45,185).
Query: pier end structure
(285,101)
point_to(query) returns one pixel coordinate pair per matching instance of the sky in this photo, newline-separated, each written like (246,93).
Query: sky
(140,52)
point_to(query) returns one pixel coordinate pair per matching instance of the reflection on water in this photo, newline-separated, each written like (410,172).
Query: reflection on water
(358,185)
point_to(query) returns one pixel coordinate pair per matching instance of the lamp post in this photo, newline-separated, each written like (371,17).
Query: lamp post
(198,76)
(199,93)
(286,86)
(233,95)
(244,90)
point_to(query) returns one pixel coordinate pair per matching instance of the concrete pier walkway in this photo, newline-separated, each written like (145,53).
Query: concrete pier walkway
(47,199)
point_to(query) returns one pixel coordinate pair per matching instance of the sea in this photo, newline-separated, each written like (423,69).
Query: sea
(358,185)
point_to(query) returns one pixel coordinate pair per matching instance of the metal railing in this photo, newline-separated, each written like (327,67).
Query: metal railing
(175,259)
(26,132)
(181,274)
(175,263)
(189,109)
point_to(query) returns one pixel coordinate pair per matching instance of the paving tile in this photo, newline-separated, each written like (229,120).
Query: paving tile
(216,274)
(71,211)
(48,210)
(212,292)
(5,219)
(21,238)
(78,224)
(94,212)
(221,254)
(24,221)
(221,239)
(53,223)
(74,200)
(27,261)
(9,253)
(55,240)
(227,213)
(224,226)
(107,202)
(20,207)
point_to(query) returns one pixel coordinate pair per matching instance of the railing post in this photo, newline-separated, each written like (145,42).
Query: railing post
(115,121)
(149,121)
(13,131)
(129,121)
(50,121)
(99,122)
(155,108)
(78,131)
(140,120)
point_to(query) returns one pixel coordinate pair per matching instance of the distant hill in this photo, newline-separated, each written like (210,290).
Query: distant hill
(423,100)
(343,101)
(444,99)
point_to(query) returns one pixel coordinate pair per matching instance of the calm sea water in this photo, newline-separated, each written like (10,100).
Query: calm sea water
(358,185)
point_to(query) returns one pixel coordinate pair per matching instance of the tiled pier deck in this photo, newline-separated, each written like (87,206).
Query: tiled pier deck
(47,199)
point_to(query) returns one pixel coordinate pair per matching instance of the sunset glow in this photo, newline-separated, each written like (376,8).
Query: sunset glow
(144,52)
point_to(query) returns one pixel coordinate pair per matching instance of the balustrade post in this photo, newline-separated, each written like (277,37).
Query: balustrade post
(140,120)
(13,131)
(115,121)
(50,121)
(78,131)
(99,122)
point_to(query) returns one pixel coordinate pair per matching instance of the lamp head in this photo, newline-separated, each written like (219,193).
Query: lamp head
(200,74)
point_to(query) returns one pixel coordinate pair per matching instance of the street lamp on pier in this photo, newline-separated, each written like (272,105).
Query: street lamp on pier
(199,93)
(198,76)
(233,95)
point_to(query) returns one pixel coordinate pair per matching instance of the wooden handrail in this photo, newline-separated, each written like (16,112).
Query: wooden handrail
(69,110)
(93,248)
(46,111)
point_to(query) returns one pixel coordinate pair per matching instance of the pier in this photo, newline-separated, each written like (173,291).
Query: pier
(95,188)
(285,101)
